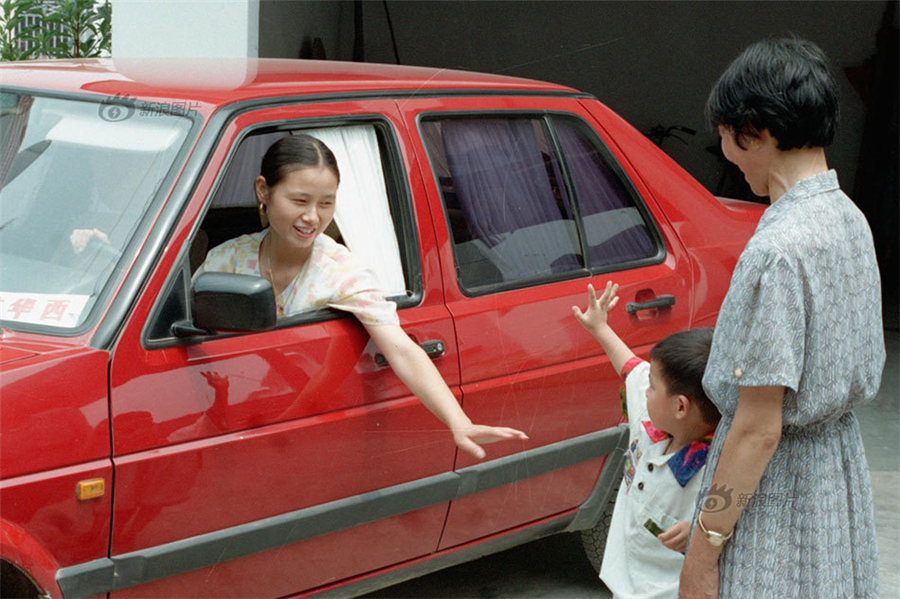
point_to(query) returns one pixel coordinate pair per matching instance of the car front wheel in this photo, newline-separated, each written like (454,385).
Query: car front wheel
(594,538)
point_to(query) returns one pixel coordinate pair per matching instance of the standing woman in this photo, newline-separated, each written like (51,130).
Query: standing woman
(296,191)
(798,344)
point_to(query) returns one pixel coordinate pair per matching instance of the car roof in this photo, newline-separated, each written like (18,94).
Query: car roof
(215,82)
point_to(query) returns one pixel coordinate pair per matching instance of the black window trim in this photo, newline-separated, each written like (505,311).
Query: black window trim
(399,199)
(638,200)
(547,115)
(571,194)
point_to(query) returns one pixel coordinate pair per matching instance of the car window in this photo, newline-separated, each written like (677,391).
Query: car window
(363,219)
(372,216)
(615,230)
(529,199)
(507,206)
(76,181)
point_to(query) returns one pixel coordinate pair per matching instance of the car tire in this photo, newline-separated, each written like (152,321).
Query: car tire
(15,584)
(593,539)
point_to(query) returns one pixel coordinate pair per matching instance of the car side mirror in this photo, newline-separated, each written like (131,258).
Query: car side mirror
(229,302)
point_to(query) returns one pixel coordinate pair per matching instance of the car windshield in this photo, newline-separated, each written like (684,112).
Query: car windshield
(76,179)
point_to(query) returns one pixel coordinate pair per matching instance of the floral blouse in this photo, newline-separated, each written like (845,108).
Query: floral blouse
(331,277)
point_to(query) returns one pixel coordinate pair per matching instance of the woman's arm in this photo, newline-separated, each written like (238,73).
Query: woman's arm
(749,446)
(419,374)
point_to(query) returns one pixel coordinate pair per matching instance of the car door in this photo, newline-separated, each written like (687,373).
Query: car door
(268,463)
(531,205)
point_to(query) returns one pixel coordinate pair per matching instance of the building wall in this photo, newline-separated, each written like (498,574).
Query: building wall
(288,28)
(652,62)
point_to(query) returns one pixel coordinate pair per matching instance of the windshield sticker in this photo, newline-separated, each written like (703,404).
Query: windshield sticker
(53,309)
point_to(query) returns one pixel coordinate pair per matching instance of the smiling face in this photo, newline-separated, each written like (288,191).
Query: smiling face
(299,207)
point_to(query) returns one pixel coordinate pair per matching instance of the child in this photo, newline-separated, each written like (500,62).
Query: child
(665,458)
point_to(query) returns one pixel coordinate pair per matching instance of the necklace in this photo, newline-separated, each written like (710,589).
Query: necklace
(268,252)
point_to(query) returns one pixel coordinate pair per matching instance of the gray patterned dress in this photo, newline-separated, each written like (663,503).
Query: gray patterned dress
(804,311)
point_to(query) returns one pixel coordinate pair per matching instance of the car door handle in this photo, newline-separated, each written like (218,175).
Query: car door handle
(661,301)
(434,349)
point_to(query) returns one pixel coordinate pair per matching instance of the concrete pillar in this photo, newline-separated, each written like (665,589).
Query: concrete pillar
(185,28)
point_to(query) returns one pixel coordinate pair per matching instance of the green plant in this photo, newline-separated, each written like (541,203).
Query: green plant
(64,29)
(82,26)
(17,41)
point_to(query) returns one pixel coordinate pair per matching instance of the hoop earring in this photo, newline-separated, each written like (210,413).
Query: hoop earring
(263,215)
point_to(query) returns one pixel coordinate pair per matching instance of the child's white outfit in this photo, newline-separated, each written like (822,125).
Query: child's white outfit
(659,487)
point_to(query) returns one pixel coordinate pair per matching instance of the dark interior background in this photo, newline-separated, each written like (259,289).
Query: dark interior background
(652,62)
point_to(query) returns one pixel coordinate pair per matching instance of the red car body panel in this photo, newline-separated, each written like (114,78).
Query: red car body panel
(62,394)
(290,393)
(203,437)
(516,345)
(207,83)
(712,247)
(55,432)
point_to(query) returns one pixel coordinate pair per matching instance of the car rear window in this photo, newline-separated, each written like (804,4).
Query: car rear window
(532,198)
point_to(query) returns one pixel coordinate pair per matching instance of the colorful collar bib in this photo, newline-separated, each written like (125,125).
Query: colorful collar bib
(687,461)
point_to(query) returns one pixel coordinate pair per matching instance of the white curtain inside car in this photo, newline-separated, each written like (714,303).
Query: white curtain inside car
(362,212)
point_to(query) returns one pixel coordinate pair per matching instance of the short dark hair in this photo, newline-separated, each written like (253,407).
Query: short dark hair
(295,152)
(682,359)
(782,84)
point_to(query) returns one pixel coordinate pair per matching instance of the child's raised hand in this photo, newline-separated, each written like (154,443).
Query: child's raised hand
(594,317)
(594,320)
(676,536)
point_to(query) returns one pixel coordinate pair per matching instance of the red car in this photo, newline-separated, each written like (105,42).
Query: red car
(163,436)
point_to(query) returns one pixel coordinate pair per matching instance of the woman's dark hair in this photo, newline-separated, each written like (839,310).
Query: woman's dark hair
(295,152)
(682,359)
(781,84)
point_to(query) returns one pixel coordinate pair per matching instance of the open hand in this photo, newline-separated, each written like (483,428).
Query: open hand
(676,536)
(471,437)
(594,317)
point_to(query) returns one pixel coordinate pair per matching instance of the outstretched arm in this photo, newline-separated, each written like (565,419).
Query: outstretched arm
(594,321)
(419,374)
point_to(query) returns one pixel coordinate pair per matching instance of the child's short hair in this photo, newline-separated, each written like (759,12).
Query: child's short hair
(682,359)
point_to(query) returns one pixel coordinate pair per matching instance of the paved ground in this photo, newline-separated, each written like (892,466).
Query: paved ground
(556,568)
(880,424)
